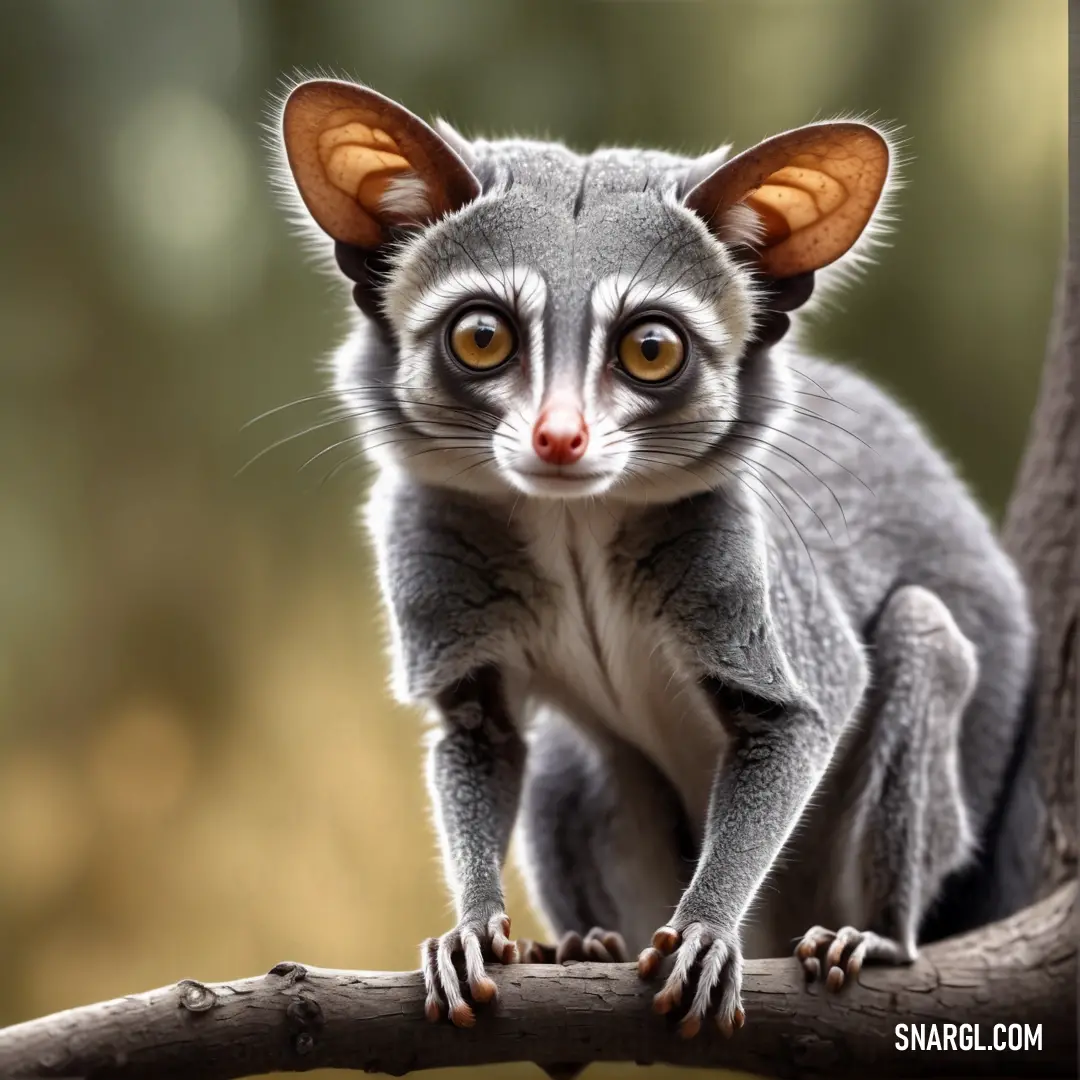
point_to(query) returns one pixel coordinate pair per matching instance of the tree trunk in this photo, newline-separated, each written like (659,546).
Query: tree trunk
(1042,533)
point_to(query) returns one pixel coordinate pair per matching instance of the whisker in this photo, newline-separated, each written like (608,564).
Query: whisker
(799,410)
(371,388)
(634,277)
(470,410)
(738,478)
(357,415)
(475,465)
(285,441)
(803,393)
(812,382)
(391,442)
(795,491)
(517,498)
(338,467)
(702,426)
(754,465)
(347,412)
(769,446)
(289,405)
(461,439)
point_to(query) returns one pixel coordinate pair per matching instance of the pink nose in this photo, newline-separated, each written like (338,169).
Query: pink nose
(560,435)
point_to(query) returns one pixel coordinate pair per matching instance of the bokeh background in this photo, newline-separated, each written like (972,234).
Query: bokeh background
(201,772)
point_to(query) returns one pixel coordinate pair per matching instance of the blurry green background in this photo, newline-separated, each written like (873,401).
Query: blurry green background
(200,770)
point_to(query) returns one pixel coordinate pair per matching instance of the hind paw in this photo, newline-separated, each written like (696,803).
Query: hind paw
(598,945)
(842,953)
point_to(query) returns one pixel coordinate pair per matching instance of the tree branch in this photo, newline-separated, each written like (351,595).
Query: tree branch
(1022,970)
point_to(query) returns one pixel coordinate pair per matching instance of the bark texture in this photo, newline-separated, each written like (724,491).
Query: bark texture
(1022,970)
(1042,533)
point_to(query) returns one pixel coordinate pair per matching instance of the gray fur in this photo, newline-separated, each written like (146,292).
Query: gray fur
(779,641)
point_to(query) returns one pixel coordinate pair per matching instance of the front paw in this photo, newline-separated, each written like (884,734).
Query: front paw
(716,956)
(473,937)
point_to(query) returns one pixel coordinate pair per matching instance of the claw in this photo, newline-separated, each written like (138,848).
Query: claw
(596,950)
(855,961)
(665,940)
(532,952)
(501,945)
(599,945)
(570,947)
(616,945)
(443,992)
(605,946)
(428,958)
(836,951)
(648,962)
(715,955)
(483,990)
(462,1016)
(842,953)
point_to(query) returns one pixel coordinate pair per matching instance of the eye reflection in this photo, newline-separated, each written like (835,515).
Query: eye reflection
(651,351)
(481,339)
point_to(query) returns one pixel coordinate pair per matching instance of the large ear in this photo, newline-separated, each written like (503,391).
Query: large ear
(813,191)
(363,164)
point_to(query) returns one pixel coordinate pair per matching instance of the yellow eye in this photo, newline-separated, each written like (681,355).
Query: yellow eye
(481,340)
(651,352)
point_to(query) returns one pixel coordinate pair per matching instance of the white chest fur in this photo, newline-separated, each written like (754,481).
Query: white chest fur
(609,665)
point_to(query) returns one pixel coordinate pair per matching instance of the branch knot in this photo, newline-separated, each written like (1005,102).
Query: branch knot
(196,996)
(305,1016)
(290,971)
